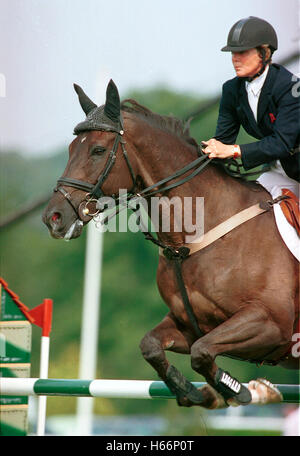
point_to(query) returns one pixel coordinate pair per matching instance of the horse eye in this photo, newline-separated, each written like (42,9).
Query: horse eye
(98,150)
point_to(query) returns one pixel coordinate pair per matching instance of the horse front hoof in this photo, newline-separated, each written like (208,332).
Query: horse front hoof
(212,399)
(186,393)
(206,397)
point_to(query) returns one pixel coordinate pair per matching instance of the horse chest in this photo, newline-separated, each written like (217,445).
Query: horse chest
(208,314)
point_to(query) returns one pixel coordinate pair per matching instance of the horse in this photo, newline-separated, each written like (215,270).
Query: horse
(242,289)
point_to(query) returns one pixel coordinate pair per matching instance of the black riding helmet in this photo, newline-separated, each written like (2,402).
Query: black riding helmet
(250,32)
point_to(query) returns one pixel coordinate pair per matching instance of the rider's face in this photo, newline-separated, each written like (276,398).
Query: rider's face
(246,63)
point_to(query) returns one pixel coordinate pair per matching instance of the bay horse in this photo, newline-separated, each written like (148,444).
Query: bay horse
(242,289)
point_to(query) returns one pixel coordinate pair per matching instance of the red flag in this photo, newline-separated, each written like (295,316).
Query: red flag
(42,316)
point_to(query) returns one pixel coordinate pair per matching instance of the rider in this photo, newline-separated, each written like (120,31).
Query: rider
(265,99)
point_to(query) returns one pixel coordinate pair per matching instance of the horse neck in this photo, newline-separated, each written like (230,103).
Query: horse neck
(160,154)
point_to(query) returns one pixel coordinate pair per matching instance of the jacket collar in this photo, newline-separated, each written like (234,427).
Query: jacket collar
(243,97)
(256,85)
(266,92)
(263,99)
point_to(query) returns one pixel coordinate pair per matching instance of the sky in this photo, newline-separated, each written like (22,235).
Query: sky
(47,45)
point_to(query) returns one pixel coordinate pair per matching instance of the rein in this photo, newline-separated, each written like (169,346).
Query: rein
(203,158)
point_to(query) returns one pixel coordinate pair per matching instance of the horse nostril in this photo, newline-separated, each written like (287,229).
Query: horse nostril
(55,217)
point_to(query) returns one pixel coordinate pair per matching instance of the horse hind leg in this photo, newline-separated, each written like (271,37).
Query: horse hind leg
(168,336)
(250,333)
(264,392)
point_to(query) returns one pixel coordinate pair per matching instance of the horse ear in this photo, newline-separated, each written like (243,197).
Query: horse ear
(112,106)
(86,104)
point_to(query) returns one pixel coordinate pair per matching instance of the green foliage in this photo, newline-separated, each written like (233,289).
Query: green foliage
(165,102)
(37,266)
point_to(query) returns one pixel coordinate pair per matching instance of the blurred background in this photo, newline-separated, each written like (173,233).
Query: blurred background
(167,56)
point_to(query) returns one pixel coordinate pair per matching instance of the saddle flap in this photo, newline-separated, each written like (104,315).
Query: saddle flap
(290,208)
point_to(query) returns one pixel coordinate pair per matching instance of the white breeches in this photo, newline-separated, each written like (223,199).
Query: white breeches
(276,179)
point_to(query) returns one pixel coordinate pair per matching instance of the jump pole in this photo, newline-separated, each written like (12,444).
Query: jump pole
(104,388)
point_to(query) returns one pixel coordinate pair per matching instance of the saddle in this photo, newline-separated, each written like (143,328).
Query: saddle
(290,207)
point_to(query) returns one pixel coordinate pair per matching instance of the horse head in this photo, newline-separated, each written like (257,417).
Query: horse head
(94,166)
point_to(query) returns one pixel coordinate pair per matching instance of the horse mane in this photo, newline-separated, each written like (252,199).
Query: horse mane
(166,123)
(182,130)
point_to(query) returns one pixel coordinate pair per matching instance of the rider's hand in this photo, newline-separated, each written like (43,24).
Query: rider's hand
(216,149)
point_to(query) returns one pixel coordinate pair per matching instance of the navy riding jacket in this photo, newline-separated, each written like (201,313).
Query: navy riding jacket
(278,120)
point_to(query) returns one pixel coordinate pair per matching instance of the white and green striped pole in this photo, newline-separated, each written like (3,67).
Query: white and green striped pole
(105,388)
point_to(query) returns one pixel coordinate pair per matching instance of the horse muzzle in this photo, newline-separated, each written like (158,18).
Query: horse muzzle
(62,226)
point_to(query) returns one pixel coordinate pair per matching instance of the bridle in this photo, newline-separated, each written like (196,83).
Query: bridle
(94,191)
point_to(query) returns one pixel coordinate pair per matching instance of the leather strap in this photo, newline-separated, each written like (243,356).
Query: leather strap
(203,161)
(225,227)
(75,183)
(66,195)
(177,260)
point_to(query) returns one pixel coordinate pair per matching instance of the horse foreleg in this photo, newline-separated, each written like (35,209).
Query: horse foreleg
(249,333)
(168,336)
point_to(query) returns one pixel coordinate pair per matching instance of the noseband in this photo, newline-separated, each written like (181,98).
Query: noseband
(94,191)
